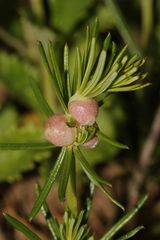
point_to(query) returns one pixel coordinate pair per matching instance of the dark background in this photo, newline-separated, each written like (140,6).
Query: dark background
(132,118)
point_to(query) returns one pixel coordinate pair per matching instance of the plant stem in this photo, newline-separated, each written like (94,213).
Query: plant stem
(71,196)
(147,20)
(123,27)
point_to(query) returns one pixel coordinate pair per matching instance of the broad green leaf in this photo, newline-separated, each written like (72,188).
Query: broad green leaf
(21,227)
(131,233)
(52,222)
(110,141)
(45,108)
(14,74)
(14,163)
(26,146)
(117,226)
(64,175)
(66,14)
(48,184)
(94,178)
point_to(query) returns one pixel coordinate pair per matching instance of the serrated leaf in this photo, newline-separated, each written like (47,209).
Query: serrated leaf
(116,227)
(48,184)
(112,142)
(21,227)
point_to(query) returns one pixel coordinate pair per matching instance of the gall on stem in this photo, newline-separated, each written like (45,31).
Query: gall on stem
(58,131)
(83,110)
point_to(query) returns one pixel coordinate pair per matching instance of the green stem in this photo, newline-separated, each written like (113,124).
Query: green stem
(147,20)
(71,196)
(123,27)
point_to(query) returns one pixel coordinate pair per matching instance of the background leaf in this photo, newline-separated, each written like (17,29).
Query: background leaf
(65,14)
(13,163)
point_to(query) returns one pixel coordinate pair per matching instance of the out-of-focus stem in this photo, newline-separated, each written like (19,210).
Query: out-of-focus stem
(123,27)
(71,196)
(147,20)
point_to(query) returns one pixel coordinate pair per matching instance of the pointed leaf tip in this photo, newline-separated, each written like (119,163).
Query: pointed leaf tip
(95,28)
(107,42)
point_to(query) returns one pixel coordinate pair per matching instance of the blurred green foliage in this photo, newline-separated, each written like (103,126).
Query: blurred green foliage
(127,117)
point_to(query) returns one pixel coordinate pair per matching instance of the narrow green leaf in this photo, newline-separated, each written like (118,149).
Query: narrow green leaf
(21,227)
(120,55)
(44,58)
(56,77)
(78,223)
(86,51)
(107,42)
(124,80)
(47,186)
(55,68)
(89,64)
(105,84)
(131,61)
(129,88)
(26,146)
(97,75)
(79,69)
(110,141)
(66,71)
(45,108)
(94,178)
(74,77)
(131,233)
(51,74)
(64,175)
(71,192)
(95,28)
(124,219)
(89,199)
(111,58)
(51,222)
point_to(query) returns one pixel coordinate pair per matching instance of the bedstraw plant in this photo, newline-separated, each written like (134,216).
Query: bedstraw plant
(96,76)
